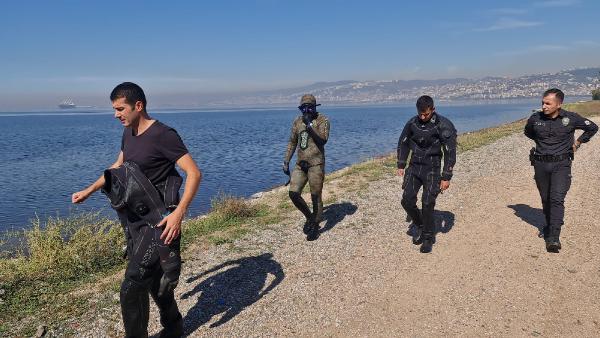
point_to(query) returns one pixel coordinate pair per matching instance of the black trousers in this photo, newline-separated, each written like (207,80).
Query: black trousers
(553,180)
(142,277)
(415,177)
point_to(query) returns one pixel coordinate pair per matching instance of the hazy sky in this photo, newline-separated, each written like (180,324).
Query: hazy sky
(52,50)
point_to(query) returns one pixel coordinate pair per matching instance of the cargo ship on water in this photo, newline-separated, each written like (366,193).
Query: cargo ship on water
(67,104)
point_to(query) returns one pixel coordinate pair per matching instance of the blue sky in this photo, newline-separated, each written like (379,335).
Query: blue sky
(81,49)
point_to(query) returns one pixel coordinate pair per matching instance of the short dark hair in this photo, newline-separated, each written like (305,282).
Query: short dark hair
(130,91)
(424,102)
(557,92)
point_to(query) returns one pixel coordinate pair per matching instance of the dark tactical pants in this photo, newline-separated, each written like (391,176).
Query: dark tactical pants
(142,276)
(415,177)
(315,176)
(553,180)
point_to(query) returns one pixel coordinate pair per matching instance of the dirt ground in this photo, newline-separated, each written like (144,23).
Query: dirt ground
(488,275)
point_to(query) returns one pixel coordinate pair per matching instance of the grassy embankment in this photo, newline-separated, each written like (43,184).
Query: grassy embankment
(69,257)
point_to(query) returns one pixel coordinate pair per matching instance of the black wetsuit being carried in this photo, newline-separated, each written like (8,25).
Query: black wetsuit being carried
(155,151)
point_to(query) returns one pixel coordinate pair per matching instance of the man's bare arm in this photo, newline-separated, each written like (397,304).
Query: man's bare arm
(172,222)
(82,195)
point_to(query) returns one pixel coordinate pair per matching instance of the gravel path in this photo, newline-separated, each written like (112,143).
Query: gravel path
(488,275)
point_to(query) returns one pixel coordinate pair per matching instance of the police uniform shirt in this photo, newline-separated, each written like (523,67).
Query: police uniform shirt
(557,136)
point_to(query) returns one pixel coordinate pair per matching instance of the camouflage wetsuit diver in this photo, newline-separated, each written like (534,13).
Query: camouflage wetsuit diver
(427,137)
(309,133)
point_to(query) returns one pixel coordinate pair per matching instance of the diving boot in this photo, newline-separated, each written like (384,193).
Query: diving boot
(313,232)
(307,226)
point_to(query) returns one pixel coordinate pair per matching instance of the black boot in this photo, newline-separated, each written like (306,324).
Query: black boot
(553,241)
(307,226)
(313,232)
(172,332)
(299,202)
(427,245)
(553,246)
(417,235)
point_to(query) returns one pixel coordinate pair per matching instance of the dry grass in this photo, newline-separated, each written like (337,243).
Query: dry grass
(56,257)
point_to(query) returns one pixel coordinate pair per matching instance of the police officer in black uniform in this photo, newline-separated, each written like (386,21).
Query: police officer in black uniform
(553,131)
(427,137)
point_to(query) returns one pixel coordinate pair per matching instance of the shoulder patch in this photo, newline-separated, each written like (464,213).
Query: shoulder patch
(587,122)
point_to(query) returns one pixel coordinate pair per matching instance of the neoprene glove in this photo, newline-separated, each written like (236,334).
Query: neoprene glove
(286,168)
(306,118)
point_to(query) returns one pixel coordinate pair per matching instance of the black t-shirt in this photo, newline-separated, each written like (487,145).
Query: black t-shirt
(155,151)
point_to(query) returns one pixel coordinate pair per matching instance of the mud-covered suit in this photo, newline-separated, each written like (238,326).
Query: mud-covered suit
(551,159)
(426,142)
(154,267)
(310,165)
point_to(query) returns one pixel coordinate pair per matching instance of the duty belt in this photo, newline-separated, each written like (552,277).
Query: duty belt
(553,158)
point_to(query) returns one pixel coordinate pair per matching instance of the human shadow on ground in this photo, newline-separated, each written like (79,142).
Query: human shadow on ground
(444,221)
(229,288)
(533,216)
(335,213)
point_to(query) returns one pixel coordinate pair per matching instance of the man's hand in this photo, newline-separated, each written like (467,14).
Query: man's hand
(400,172)
(576,146)
(444,185)
(286,168)
(306,119)
(80,196)
(172,225)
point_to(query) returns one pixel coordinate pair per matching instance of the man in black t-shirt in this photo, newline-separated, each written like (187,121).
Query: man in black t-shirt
(155,148)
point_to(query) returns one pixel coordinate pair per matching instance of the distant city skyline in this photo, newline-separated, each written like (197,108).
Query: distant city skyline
(56,50)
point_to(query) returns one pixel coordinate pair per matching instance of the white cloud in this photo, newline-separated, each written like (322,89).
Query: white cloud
(557,3)
(508,11)
(509,23)
(534,49)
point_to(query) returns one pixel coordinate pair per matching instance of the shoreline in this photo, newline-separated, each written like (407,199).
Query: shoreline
(289,106)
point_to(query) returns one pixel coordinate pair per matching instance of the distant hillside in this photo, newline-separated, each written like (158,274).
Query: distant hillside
(578,82)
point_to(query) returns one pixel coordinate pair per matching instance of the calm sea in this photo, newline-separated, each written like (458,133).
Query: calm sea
(46,156)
